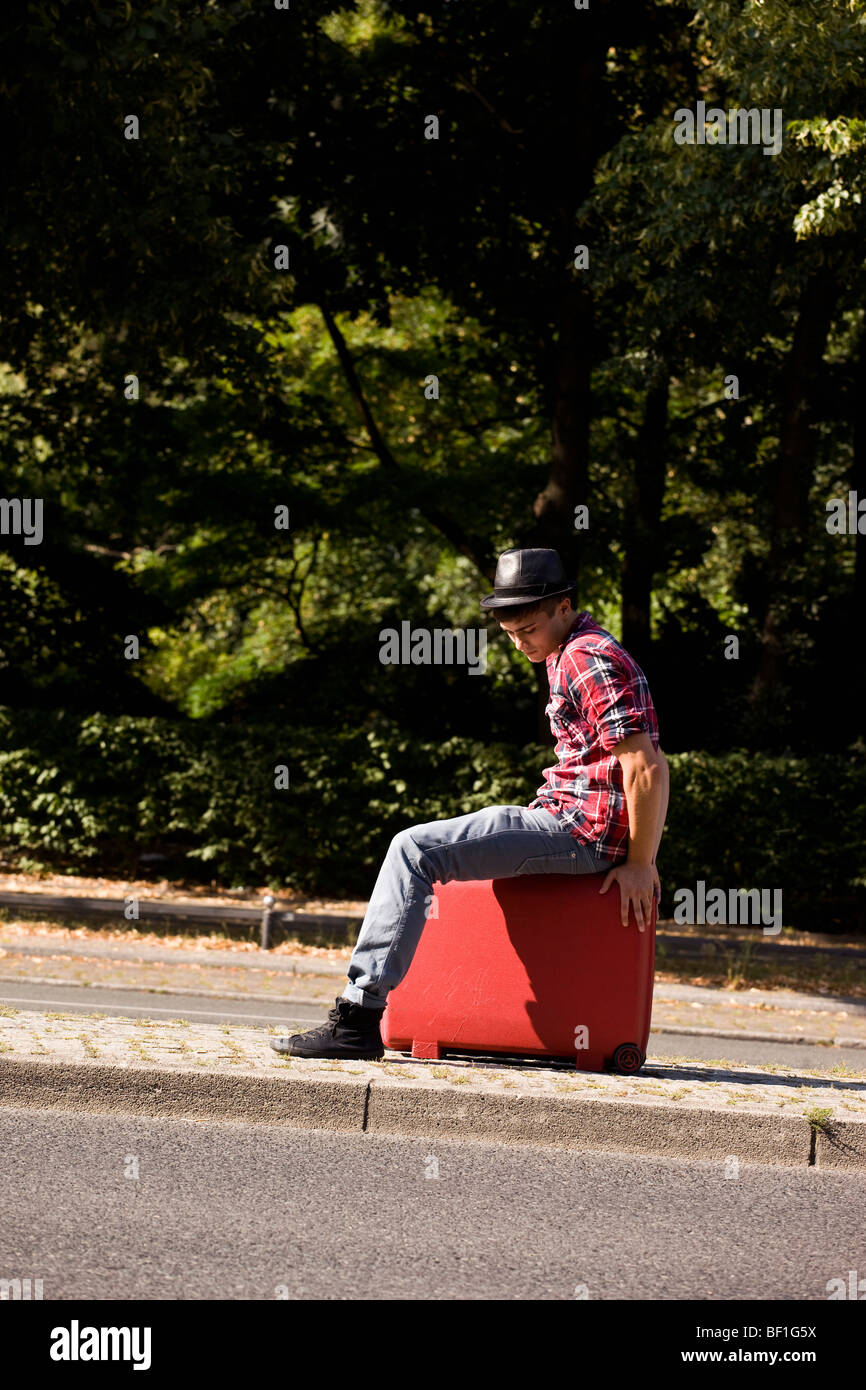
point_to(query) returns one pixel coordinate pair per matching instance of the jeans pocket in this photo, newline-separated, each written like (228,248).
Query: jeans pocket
(559,862)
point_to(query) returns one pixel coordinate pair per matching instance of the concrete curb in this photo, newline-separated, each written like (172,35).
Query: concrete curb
(315,1103)
(603,1124)
(283,1001)
(735,1034)
(423,1106)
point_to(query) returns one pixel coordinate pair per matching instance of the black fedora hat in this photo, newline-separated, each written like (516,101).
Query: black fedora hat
(524,576)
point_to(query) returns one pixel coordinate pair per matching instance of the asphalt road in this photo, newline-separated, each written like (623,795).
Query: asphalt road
(296,1017)
(229,1211)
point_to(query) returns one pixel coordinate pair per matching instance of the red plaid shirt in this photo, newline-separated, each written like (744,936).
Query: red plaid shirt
(598,696)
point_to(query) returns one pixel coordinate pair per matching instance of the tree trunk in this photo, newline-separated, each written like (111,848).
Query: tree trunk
(567,368)
(791,481)
(642,524)
(568,483)
(858,482)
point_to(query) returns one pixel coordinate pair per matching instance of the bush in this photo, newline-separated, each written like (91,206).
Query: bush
(97,791)
(102,790)
(745,820)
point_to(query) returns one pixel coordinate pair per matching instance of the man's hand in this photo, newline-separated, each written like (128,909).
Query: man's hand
(638,883)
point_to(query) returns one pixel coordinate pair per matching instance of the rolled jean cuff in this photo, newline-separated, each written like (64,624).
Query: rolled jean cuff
(359,996)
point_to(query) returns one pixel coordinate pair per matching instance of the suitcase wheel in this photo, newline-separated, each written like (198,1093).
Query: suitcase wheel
(628,1058)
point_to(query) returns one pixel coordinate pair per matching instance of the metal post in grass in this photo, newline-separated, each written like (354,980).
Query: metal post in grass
(267,913)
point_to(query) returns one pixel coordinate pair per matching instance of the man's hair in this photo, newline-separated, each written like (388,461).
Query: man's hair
(525,610)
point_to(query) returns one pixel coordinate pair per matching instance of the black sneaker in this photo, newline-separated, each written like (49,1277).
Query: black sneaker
(351,1031)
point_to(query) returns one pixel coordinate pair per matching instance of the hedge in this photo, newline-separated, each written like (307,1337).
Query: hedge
(81,793)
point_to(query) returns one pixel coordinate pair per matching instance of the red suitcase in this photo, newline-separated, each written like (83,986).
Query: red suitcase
(539,964)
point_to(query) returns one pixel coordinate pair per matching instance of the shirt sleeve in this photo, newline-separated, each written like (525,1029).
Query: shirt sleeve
(610,696)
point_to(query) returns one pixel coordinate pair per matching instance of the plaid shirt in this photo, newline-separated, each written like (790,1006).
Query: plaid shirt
(598,696)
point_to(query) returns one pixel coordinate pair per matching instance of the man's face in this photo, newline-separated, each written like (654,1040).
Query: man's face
(540,634)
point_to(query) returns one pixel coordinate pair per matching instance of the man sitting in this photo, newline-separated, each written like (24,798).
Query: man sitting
(602,806)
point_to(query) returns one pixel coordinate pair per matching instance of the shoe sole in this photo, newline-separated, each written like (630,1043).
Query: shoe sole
(350,1055)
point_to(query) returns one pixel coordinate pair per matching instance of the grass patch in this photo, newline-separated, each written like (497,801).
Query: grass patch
(819,1117)
(740,969)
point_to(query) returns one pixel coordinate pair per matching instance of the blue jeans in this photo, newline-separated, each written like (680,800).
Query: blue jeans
(497,842)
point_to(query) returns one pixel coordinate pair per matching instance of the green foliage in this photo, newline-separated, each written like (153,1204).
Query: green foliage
(448,257)
(105,790)
(745,820)
(75,792)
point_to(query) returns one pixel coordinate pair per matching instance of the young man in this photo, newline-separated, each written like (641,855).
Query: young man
(602,806)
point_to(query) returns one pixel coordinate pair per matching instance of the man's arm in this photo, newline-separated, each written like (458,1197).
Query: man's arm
(646,785)
(663,808)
